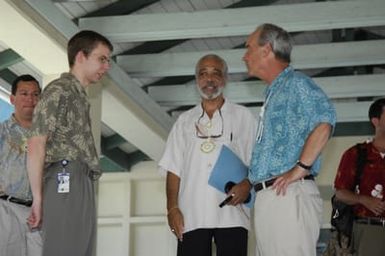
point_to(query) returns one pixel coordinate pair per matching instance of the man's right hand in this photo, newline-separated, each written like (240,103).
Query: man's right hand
(176,222)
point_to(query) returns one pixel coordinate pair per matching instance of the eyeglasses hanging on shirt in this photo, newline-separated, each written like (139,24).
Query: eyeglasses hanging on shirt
(260,125)
(202,131)
(261,119)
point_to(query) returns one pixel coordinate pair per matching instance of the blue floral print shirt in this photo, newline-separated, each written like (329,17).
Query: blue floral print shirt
(294,106)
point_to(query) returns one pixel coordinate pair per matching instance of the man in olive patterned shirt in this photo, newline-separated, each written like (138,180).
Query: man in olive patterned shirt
(62,144)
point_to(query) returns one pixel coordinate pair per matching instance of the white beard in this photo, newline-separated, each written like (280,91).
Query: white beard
(218,92)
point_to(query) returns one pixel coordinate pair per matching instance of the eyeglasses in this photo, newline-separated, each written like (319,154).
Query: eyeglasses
(102,59)
(28,94)
(201,130)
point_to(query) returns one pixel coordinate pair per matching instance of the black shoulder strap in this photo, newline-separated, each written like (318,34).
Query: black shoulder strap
(361,160)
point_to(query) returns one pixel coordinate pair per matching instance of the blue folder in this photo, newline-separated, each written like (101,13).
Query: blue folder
(229,167)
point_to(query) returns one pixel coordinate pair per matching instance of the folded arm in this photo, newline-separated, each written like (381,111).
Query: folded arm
(314,144)
(375,205)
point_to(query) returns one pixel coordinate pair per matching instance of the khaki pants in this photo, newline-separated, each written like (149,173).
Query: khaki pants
(69,219)
(15,237)
(288,225)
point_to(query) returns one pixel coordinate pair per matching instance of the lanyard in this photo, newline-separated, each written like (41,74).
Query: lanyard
(261,119)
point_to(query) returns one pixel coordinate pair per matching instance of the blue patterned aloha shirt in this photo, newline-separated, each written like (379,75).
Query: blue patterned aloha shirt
(295,105)
(13,160)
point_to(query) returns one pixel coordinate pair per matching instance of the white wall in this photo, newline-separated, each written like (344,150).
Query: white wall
(132,215)
(132,207)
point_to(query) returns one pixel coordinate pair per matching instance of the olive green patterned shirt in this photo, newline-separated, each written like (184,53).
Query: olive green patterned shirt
(62,114)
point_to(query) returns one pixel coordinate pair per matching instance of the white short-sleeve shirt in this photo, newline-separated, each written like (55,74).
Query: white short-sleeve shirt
(183,156)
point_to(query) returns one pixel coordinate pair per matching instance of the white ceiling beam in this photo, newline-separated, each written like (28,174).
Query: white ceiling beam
(346,111)
(67,29)
(303,57)
(238,21)
(352,111)
(153,122)
(253,91)
(17,32)
(64,1)
(126,119)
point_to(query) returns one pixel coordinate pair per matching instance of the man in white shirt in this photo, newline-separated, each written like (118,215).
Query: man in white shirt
(192,149)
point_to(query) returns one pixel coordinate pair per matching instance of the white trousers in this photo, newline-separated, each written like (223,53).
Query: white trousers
(288,225)
(15,237)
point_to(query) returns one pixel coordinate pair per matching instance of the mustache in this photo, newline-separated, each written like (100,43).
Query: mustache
(209,84)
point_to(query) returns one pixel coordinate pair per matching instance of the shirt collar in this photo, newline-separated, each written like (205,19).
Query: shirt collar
(279,79)
(223,108)
(13,120)
(74,81)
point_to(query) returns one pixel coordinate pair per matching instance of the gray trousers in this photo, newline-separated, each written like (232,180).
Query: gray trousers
(69,219)
(369,240)
(15,237)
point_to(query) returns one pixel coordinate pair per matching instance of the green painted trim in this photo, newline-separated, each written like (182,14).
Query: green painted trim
(353,129)
(136,157)
(116,160)
(113,141)
(118,156)
(107,165)
(9,58)
(8,76)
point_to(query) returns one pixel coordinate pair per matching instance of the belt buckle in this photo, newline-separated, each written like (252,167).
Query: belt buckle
(382,220)
(263,185)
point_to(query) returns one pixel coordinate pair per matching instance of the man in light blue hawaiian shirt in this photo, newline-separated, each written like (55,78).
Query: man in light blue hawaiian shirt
(15,194)
(295,123)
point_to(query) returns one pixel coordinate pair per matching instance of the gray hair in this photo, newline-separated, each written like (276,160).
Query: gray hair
(278,38)
(212,56)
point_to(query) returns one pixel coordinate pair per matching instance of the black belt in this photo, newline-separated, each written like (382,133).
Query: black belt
(15,200)
(265,184)
(370,221)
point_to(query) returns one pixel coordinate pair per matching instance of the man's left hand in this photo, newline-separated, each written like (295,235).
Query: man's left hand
(240,192)
(283,181)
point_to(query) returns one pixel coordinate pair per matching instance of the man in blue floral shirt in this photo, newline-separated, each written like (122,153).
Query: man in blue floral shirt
(295,123)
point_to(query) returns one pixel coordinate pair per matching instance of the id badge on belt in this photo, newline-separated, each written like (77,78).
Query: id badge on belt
(63,179)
